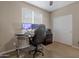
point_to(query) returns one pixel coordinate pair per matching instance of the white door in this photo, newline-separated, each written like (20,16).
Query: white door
(62,29)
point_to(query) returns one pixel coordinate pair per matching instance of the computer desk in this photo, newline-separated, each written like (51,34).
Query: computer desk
(22,36)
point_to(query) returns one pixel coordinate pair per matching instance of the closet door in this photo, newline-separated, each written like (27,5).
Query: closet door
(62,29)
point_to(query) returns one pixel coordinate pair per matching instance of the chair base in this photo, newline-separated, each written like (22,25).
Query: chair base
(35,52)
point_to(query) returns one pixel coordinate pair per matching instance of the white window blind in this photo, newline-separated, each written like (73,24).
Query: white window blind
(37,18)
(26,16)
(30,16)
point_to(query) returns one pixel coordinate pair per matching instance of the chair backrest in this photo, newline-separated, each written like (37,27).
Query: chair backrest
(40,34)
(48,31)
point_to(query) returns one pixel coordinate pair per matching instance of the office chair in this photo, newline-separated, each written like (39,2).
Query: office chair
(38,39)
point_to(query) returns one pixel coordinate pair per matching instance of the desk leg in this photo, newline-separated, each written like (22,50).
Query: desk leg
(17,51)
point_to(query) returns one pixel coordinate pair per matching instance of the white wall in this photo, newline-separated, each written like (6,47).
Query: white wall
(62,29)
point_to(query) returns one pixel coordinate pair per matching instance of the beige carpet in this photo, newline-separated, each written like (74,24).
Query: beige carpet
(54,50)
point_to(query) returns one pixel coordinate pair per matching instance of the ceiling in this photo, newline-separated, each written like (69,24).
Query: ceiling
(45,4)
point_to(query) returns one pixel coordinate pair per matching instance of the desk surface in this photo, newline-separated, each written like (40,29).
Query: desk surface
(25,33)
(23,36)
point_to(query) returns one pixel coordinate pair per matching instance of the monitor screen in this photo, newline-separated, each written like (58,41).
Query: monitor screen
(26,26)
(35,26)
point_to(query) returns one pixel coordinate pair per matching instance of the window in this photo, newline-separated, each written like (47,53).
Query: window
(26,16)
(29,16)
(37,18)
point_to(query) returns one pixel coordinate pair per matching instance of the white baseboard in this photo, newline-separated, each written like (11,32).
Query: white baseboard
(4,52)
(75,47)
(63,43)
(69,45)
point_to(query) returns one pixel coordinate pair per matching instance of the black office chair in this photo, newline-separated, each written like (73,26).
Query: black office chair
(38,39)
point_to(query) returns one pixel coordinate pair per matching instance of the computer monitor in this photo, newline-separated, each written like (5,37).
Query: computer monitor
(35,26)
(26,26)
